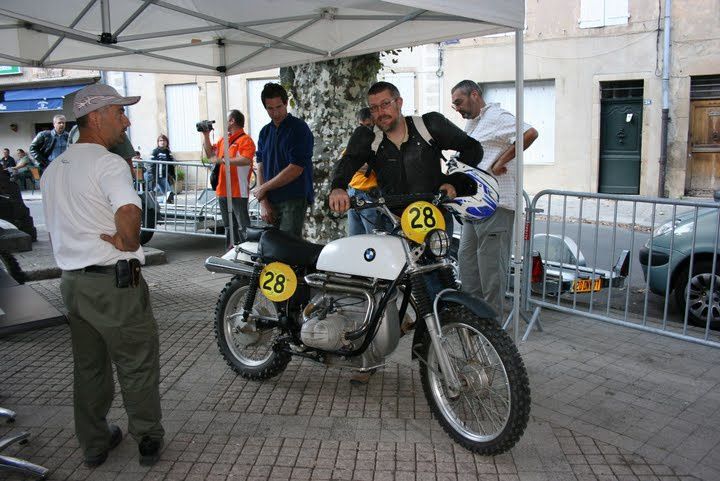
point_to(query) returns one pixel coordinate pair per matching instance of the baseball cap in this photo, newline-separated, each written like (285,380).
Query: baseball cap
(97,96)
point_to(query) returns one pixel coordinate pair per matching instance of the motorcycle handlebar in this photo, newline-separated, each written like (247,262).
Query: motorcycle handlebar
(398,201)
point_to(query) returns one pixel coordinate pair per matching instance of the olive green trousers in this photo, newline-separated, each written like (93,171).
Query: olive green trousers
(110,325)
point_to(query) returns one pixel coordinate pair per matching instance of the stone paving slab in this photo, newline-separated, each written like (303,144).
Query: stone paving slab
(608,404)
(39,263)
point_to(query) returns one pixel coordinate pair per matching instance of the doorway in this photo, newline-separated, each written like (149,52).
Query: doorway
(704,138)
(621,107)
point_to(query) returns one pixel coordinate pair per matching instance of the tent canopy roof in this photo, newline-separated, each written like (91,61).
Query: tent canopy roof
(210,37)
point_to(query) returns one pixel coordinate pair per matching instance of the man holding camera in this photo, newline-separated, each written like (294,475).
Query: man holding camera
(93,216)
(240,153)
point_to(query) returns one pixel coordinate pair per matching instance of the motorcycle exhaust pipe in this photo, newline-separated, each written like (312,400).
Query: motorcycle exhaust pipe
(224,266)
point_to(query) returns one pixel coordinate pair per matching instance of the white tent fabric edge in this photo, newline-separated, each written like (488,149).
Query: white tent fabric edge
(509,14)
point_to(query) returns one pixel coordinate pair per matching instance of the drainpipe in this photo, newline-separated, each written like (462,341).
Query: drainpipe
(666,101)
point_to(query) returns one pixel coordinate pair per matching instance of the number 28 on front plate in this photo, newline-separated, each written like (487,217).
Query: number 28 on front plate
(278,281)
(419,218)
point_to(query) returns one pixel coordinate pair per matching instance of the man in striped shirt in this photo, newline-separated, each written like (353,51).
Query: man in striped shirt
(484,250)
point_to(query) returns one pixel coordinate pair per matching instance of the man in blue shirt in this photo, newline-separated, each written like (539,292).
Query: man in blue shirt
(284,157)
(49,144)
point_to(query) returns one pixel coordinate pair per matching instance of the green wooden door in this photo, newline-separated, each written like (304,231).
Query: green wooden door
(620,145)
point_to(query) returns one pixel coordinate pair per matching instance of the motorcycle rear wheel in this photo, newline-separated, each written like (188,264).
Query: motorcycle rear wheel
(492,409)
(247,350)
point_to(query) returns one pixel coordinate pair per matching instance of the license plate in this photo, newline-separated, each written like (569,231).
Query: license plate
(587,285)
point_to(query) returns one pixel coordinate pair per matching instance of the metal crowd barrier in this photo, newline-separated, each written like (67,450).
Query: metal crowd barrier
(193,208)
(627,260)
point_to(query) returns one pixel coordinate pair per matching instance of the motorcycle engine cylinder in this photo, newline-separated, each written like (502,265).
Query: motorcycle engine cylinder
(323,334)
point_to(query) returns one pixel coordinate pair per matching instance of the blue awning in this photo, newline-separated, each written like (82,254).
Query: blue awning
(35,100)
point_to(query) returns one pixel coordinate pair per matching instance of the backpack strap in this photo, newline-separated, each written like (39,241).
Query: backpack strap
(377,140)
(422,129)
(420,126)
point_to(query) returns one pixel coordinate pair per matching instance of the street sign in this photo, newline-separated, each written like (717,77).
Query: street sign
(10,70)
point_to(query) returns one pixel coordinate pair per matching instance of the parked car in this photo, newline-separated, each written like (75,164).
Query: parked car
(671,258)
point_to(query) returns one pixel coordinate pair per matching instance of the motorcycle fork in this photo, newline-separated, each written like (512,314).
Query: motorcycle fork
(428,311)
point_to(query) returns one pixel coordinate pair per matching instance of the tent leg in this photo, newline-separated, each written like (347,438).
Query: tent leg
(519,76)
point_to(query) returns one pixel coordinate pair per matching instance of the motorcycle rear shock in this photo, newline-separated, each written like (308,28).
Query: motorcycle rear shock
(252,292)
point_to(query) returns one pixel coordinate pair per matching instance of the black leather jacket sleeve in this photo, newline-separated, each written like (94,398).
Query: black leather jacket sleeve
(449,136)
(357,153)
(39,146)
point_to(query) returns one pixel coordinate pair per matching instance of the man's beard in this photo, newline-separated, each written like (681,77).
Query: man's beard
(389,127)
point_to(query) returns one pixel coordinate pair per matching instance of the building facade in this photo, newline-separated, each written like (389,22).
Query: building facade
(593,79)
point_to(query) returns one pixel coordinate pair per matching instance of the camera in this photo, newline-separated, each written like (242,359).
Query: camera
(204,125)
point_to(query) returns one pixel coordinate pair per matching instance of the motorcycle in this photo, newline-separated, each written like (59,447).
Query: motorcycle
(346,304)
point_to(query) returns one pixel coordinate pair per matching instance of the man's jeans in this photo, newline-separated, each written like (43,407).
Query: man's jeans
(290,215)
(364,221)
(241,218)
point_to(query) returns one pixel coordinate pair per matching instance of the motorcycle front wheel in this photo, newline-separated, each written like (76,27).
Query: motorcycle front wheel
(491,410)
(247,349)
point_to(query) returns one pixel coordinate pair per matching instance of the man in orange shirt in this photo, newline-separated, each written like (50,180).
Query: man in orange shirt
(241,153)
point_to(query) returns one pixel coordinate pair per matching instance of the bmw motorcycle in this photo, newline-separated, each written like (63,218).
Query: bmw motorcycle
(346,304)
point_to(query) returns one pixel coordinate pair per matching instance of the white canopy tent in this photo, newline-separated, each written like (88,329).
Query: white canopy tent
(222,37)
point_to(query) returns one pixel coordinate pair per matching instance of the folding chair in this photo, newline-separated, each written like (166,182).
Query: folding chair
(35,178)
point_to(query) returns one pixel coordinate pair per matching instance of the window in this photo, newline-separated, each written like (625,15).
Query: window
(601,13)
(405,83)
(539,112)
(183,111)
(256,110)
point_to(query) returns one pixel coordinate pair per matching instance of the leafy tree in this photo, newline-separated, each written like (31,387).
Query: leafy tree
(327,95)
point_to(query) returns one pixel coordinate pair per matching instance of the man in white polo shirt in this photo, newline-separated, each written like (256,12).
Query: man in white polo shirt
(484,251)
(93,215)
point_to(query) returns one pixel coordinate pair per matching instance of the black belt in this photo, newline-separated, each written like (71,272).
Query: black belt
(97,269)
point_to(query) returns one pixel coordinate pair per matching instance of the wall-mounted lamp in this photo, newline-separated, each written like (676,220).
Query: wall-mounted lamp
(14,127)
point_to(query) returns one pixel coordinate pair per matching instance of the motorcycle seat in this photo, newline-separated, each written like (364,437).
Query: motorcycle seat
(253,234)
(276,245)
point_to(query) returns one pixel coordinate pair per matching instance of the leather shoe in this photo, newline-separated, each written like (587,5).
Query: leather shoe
(115,438)
(149,450)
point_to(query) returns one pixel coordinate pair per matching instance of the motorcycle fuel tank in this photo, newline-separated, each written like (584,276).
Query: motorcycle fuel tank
(376,256)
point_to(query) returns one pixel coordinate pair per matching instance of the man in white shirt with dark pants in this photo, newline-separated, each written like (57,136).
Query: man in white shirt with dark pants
(93,214)
(484,251)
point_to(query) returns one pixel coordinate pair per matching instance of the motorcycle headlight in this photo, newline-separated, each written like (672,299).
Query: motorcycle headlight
(437,243)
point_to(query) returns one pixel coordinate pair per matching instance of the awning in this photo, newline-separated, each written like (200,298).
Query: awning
(35,100)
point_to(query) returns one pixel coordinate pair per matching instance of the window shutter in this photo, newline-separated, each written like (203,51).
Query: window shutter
(616,12)
(592,13)
(183,110)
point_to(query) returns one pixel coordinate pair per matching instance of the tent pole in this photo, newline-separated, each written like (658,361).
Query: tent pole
(519,101)
(226,149)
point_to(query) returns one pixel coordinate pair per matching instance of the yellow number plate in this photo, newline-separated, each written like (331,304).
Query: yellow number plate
(587,285)
(419,218)
(278,282)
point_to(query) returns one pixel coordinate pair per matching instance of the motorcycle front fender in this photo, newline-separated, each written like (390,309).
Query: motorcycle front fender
(477,306)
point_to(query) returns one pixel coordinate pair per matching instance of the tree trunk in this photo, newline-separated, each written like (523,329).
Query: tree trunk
(327,95)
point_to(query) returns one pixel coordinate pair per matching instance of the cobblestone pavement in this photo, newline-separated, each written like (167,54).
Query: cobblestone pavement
(608,404)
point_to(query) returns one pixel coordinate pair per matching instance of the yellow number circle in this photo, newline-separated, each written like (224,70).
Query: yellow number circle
(419,218)
(278,282)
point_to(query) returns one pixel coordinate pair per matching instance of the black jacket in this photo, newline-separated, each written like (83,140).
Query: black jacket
(159,170)
(415,168)
(42,146)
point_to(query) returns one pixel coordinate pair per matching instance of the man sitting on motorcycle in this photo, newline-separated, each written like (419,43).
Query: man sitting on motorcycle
(404,161)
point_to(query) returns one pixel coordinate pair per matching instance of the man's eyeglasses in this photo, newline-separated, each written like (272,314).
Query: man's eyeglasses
(384,105)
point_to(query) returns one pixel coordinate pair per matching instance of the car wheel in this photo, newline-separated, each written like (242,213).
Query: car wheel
(700,299)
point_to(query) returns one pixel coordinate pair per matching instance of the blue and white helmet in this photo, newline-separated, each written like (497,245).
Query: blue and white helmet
(481,205)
